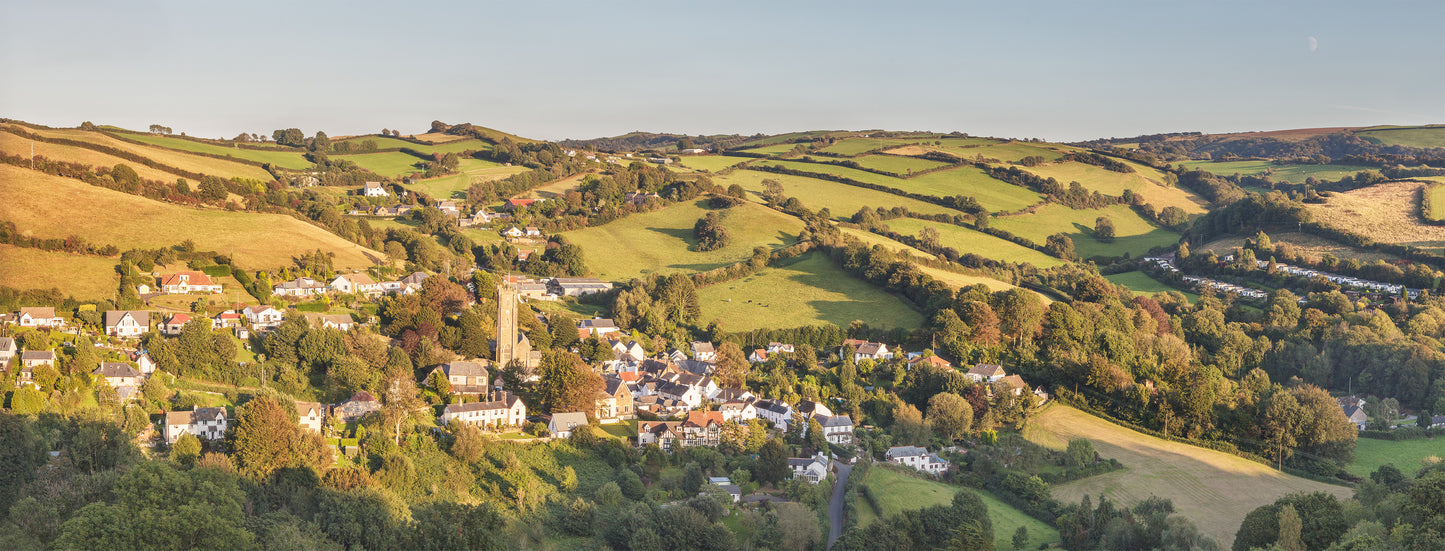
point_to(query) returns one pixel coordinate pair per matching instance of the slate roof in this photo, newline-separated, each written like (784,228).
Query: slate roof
(116,369)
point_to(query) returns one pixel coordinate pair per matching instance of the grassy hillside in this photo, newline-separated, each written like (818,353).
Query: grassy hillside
(16,145)
(802,291)
(1295,174)
(84,277)
(897,164)
(37,202)
(1133,234)
(449,186)
(1214,489)
(1437,202)
(898,492)
(950,278)
(1005,152)
(169,157)
(391,164)
(994,195)
(843,200)
(1408,136)
(979,243)
(712,163)
(450,146)
(662,241)
(1406,455)
(285,159)
(1384,212)
(1141,283)
(1313,248)
(1144,181)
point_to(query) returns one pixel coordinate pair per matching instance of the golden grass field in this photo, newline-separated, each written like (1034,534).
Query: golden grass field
(951,278)
(56,207)
(555,189)
(168,157)
(841,199)
(1386,213)
(17,145)
(1313,248)
(1214,489)
(84,277)
(1145,181)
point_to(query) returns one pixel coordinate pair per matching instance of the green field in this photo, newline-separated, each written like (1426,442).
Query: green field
(806,290)
(711,163)
(454,146)
(898,492)
(1408,136)
(662,241)
(1141,283)
(770,140)
(1213,489)
(1133,234)
(855,146)
(1371,454)
(104,216)
(1294,174)
(776,149)
(285,159)
(449,186)
(896,164)
(971,241)
(994,195)
(1145,181)
(1437,200)
(391,164)
(169,157)
(84,277)
(951,278)
(842,199)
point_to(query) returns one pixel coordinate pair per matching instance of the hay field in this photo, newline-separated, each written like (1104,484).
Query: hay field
(36,202)
(84,277)
(17,145)
(1384,212)
(898,492)
(1294,174)
(1133,234)
(1312,247)
(1007,152)
(1214,489)
(995,195)
(168,157)
(806,290)
(976,242)
(1436,193)
(841,199)
(557,188)
(662,241)
(711,163)
(1145,182)
(293,160)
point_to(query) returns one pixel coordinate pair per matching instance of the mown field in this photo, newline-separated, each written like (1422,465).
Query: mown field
(1295,174)
(711,163)
(1384,212)
(994,195)
(1437,202)
(806,290)
(35,201)
(662,241)
(443,187)
(1406,455)
(1408,136)
(391,164)
(17,145)
(1144,181)
(1141,283)
(84,277)
(168,157)
(1214,489)
(557,188)
(976,242)
(896,164)
(841,199)
(285,159)
(1133,234)
(897,492)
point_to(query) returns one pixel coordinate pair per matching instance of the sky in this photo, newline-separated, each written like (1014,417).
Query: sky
(1061,71)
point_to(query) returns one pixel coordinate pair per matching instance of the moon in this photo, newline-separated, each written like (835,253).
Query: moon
(1314,44)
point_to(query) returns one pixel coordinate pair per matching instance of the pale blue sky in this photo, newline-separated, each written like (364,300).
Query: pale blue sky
(1055,70)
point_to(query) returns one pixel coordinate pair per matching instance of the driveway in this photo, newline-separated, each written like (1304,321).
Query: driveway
(835,505)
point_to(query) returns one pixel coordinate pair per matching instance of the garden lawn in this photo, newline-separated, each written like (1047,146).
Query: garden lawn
(104,216)
(806,290)
(662,241)
(1214,489)
(1295,174)
(966,241)
(711,163)
(1371,454)
(1133,234)
(1145,181)
(898,492)
(841,200)
(293,160)
(994,195)
(168,157)
(83,277)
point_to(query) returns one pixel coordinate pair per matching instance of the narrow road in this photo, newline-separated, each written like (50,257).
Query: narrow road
(835,505)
